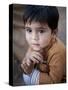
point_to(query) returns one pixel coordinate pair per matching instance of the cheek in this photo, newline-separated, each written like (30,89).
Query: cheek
(28,38)
(45,40)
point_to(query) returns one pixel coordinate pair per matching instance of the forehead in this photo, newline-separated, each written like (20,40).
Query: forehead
(36,25)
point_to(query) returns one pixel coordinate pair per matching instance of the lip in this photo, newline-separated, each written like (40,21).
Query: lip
(35,44)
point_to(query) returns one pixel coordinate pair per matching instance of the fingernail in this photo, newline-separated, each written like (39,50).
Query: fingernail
(28,64)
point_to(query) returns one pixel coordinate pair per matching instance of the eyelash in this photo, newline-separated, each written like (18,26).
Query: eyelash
(29,30)
(40,31)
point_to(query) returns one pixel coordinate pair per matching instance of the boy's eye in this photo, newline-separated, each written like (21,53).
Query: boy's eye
(41,31)
(29,30)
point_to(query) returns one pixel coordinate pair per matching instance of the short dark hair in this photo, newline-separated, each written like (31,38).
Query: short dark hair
(42,14)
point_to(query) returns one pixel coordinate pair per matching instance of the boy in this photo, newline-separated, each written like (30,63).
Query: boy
(45,59)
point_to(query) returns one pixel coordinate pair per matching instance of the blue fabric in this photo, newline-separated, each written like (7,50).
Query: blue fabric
(31,79)
(27,79)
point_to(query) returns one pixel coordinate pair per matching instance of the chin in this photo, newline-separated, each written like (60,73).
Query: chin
(36,49)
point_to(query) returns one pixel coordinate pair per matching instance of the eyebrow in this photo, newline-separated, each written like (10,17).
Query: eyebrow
(27,27)
(37,27)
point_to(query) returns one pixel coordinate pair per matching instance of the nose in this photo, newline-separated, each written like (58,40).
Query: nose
(35,36)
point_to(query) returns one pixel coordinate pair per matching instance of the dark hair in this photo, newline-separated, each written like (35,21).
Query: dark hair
(42,14)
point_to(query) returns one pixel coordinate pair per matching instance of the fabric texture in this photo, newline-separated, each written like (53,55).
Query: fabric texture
(32,79)
(55,55)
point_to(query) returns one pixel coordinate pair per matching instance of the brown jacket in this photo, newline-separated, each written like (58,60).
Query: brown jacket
(55,56)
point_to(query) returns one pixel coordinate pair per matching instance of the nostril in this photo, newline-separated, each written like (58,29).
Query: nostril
(35,37)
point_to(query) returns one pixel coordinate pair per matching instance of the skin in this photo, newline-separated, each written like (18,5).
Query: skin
(38,36)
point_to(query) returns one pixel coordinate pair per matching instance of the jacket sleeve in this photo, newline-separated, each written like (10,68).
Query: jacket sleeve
(57,66)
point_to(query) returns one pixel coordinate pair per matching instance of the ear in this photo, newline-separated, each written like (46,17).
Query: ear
(55,31)
(54,36)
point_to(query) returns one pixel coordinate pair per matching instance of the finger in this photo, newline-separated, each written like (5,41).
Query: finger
(21,65)
(28,62)
(37,57)
(24,63)
(38,53)
(25,66)
(34,60)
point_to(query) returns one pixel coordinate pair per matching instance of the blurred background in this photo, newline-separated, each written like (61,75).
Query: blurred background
(19,43)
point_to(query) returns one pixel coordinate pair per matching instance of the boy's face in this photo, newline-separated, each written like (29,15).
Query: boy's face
(38,35)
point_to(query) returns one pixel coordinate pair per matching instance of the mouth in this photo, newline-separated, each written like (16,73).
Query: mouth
(35,44)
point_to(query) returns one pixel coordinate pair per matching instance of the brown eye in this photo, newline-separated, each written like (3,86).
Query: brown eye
(41,31)
(29,30)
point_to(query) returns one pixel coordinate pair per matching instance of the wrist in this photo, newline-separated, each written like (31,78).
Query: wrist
(43,68)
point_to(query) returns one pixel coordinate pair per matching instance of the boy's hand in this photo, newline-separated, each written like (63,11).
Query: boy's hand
(30,60)
(34,57)
(27,67)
